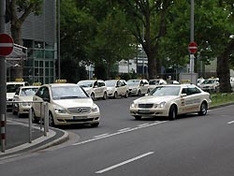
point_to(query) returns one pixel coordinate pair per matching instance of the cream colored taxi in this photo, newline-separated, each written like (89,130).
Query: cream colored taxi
(171,101)
(22,100)
(68,104)
(117,88)
(95,88)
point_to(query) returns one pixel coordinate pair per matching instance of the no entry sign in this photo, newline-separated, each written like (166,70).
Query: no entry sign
(192,47)
(6,44)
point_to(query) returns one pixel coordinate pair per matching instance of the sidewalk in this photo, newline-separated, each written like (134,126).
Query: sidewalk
(17,138)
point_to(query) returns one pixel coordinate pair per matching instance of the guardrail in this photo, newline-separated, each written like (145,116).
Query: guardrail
(44,123)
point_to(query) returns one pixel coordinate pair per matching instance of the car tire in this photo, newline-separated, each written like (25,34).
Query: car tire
(92,96)
(115,95)
(34,118)
(104,96)
(203,109)
(172,112)
(51,120)
(137,117)
(126,94)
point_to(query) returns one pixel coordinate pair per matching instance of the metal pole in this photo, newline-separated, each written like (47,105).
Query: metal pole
(191,56)
(59,65)
(30,125)
(2,79)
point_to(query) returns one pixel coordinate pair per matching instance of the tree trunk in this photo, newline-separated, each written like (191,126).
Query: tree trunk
(152,65)
(223,73)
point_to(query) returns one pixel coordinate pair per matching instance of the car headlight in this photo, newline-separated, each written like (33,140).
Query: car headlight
(95,108)
(133,105)
(59,109)
(162,104)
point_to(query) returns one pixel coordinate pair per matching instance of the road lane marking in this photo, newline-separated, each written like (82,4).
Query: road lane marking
(101,135)
(124,129)
(124,163)
(120,132)
(231,122)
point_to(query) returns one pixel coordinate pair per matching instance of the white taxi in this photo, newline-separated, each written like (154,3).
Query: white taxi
(68,104)
(22,100)
(117,88)
(11,88)
(170,101)
(138,86)
(95,88)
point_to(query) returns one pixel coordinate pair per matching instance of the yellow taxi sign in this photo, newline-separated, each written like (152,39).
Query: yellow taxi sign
(36,84)
(19,80)
(60,81)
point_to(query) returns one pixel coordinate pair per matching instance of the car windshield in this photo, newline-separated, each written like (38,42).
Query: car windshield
(28,91)
(85,84)
(68,92)
(11,88)
(165,91)
(133,82)
(209,81)
(153,82)
(110,83)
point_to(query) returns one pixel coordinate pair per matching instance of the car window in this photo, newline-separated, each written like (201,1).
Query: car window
(165,91)
(40,92)
(28,91)
(68,92)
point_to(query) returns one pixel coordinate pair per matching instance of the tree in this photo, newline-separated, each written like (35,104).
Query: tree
(17,12)
(147,21)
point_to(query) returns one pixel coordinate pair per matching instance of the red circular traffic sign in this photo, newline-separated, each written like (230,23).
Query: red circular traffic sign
(192,47)
(6,44)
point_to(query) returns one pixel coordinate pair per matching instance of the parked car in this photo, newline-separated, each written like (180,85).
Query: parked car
(155,82)
(210,85)
(138,87)
(67,103)
(95,88)
(22,100)
(11,88)
(117,88)
(171,101)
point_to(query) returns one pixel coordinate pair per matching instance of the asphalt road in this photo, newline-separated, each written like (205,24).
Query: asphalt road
(122,146)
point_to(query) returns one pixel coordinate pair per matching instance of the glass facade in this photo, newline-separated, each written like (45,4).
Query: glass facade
(39,36)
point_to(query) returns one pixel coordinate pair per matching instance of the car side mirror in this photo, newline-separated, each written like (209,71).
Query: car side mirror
(183,94)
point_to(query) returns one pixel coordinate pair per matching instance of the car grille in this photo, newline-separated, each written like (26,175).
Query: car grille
(79,110)
(146,105)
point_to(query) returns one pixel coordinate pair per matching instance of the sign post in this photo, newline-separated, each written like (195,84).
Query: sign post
(6,47)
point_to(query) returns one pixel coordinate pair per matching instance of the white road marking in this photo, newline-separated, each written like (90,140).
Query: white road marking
(101,135)
(120,132)
(124,129)
(231,122)
(123,163)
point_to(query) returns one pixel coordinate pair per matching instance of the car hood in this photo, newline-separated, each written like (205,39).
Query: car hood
(154,99)
(70,103)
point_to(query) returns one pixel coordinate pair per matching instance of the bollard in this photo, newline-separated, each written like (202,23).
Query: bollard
(30,125)
(46,119)
(3,132)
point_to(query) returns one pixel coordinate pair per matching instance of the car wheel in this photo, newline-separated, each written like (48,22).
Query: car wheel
(139,93)
(34,118)
(137,117)
(203,109)
(51,120)
(172,112)
(104,96)
(93,96)
(94,124)
(126,94)
(115,95)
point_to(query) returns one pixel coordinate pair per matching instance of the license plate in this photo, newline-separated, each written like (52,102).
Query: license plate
(79,117)
(143,111)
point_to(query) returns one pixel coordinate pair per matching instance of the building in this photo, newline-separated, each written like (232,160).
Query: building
(39,37)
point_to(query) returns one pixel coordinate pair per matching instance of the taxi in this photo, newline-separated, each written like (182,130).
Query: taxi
(95,88)
(117,88)
(22,100)
(11,88)
(68,104)
(138,87)
(170,101)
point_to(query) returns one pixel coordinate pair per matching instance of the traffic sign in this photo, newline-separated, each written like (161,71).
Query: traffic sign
(6,44)
(192,47)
